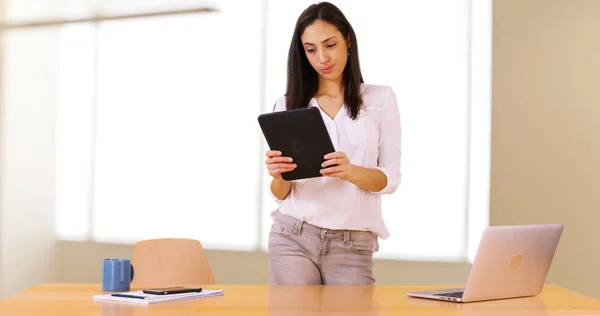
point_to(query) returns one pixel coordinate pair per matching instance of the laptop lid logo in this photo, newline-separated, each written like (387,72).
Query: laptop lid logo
(515,262)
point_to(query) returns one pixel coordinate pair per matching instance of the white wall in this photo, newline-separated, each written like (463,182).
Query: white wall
(545,127)
(29,103)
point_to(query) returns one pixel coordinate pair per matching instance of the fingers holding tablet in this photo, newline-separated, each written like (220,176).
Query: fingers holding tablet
(286,132)
(337,165)
(278,164)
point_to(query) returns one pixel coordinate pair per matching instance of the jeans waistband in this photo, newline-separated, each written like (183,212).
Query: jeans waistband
(299,226)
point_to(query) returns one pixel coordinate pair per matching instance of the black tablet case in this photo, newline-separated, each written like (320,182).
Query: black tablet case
(300,134)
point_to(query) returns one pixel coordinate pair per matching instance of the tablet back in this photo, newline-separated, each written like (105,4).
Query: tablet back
(300,134)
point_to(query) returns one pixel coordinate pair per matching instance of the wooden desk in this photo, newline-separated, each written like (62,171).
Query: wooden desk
(76,299)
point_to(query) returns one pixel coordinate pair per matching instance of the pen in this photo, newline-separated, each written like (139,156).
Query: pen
(128,296)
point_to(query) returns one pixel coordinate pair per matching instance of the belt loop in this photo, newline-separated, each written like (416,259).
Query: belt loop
(346,237)
(298,227)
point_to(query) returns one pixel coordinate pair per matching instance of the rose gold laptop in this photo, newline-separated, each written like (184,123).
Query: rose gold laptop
(511,261)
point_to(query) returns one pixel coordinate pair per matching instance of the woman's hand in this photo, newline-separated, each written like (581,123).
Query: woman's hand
(277,164)
(336,164)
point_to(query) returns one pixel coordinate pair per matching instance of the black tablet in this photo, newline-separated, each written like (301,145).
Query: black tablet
(300,134)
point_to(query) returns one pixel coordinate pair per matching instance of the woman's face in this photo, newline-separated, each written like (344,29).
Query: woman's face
(326,49)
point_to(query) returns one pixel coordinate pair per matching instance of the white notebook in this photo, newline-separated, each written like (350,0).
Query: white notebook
(141,298)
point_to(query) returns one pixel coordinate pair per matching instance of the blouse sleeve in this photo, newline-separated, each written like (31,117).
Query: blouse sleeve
(389,143)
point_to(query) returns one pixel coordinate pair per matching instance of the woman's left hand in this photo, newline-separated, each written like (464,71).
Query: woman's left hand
(337,165)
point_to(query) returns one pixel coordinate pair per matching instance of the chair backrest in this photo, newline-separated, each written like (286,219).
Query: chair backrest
(170,262)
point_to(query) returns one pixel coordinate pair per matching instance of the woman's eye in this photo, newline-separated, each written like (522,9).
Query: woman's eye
(330,45)
(310,50)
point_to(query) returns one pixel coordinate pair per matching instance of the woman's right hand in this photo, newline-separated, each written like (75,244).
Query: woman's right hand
(277,164)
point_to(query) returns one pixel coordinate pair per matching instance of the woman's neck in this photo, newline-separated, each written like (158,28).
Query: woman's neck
(330,88)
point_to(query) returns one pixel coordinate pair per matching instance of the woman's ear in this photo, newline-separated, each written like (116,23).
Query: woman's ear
(348,44)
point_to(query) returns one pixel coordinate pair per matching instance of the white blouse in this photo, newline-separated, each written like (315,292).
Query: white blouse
(371,141)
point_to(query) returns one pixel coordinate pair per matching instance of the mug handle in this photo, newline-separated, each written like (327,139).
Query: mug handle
(132,274)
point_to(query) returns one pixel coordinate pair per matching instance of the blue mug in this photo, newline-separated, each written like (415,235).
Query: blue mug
(117,275)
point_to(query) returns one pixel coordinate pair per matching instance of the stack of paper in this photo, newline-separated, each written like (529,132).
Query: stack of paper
(139,297)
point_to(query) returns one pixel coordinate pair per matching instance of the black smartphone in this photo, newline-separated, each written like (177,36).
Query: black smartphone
(172,290)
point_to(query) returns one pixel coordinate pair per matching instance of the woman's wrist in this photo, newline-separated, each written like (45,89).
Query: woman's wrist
(353,171)
(281,188)
(370,179)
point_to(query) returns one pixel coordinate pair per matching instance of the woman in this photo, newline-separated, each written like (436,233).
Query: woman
(326,228)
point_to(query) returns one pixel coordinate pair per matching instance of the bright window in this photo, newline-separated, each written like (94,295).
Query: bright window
(424,50)
(157,133)
(167,155)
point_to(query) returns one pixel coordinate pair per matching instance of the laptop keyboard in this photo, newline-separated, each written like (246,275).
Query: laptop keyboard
(451,294)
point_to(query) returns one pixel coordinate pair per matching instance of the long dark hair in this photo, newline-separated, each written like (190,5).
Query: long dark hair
(303,80)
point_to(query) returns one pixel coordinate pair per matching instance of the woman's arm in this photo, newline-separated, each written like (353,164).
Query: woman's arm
(280,188)
(365,178)
(277,164)
(389,146)
(384,178)
(369,179)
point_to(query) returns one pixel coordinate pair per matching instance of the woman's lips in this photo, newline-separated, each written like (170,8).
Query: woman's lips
(326,69)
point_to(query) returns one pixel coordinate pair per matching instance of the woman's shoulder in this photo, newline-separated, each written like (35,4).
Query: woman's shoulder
(375,88)
(279,104)
(375,95)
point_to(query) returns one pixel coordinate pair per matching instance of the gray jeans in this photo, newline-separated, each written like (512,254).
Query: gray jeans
(303,254)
